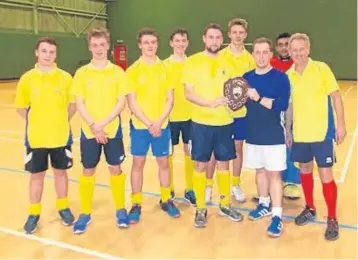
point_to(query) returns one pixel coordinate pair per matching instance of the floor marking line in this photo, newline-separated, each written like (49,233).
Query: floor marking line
(50,242)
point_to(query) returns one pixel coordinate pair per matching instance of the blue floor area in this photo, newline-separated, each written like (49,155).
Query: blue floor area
(343,226)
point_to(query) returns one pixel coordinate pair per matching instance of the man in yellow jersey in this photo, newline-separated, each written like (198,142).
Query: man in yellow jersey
(315,93)
(243,62)
(180,115)
(204,75)
(151,104)
(100,88)
(43,99)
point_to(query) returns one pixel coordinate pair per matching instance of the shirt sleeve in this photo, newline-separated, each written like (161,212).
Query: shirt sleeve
(22,98)
(69,82)
(125,85)
(280,103)
(78,85)
(330,82)
(188,74)
(132,78)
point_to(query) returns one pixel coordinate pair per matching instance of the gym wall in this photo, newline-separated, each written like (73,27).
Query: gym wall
(331,24)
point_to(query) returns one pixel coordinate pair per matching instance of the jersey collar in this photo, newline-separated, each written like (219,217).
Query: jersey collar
(45,73)
(109,65)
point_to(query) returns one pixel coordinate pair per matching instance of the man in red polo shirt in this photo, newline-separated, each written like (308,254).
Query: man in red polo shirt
(283,62)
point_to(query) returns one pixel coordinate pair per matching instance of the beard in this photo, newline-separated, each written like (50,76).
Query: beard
(212,50)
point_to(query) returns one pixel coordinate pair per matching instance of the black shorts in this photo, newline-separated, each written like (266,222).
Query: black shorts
(322,152)
(212,139)
(91,152)
(36,159)
(182,127)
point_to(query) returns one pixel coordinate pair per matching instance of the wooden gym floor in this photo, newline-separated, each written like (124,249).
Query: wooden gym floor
(158,236)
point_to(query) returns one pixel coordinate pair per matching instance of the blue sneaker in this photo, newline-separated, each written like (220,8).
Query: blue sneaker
(275,228)
(134,214)
(122,218)
(31,224)
(260,212)
(172,195)
(189,196)
(67,217)
(81,224)
(171,209)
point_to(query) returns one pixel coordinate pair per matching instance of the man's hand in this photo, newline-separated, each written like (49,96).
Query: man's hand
(340,133)
(155,129)
(221,101)
(252,94)
(101,137)
(288,138)
(97,130)
(97,127)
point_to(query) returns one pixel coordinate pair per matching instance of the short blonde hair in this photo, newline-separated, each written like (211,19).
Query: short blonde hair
(300,36)
(99,32)
(238,21)
(263,40)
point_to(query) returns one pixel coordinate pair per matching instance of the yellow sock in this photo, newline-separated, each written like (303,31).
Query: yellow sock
(199,182)
(35,209)
(223,179)
(189,169)
(165,194)
(171,172)
(86,193)
(235,180)
(137,198)
(209,182)
(118,183)
(62,203)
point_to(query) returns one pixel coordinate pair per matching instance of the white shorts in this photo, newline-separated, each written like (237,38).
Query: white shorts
(269,157)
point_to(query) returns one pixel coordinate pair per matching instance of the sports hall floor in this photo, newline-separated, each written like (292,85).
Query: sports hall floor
(158,236)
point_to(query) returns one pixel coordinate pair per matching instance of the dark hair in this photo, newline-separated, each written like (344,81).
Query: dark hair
(146,31)
(283,35)
(180,31)
(213,26)
(48,40)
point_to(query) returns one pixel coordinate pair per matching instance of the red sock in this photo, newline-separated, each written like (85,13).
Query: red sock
(307,186)
(330,196)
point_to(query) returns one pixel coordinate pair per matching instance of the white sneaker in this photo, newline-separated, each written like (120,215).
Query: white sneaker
(208,194)
(238,194)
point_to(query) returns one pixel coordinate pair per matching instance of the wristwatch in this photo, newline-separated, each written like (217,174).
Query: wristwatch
(259,100)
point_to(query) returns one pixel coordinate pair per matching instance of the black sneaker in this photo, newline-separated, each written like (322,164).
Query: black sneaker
(31,224)
(332,230)
(67,217)
(306,216)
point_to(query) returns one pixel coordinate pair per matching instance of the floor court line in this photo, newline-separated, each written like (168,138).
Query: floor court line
(152,194)
(59,244)
(349,156)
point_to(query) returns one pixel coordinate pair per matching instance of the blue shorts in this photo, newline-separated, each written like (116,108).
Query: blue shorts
(240,128)
(141,140)
(91,152)
(212,139)
(322,152)
(178,127)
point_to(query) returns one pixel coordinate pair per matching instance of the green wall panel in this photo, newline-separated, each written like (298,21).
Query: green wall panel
(17,53)
(331,24)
